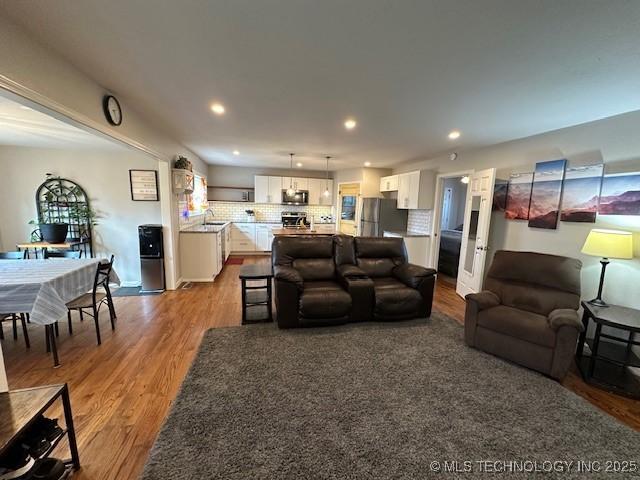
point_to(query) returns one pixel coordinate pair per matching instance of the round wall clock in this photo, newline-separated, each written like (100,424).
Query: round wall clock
(112,110)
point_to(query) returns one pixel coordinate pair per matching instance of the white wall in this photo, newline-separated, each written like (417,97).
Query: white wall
(229,176)
(614,141)
(104,175)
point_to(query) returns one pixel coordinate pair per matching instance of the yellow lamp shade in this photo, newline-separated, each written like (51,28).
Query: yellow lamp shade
(609,244)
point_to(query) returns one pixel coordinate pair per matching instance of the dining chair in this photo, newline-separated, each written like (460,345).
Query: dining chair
(63,254)
(14,316)
(100,294)
(13,255)
(14,319)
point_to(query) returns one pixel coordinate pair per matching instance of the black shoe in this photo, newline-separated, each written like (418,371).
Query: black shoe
(47,469)
(15,463)
(46,427)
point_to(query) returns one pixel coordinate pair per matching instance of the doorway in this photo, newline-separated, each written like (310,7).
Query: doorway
(450,224)
(348,202)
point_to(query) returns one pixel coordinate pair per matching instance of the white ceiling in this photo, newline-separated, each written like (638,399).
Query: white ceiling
(290,71)
(23,126)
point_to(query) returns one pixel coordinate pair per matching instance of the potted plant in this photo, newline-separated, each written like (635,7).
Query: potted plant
(251,215)
(54,232)
(182,163)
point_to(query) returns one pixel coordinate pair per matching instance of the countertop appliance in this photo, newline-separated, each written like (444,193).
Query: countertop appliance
(380,214)
(299,197)
(151,258)
(294,219)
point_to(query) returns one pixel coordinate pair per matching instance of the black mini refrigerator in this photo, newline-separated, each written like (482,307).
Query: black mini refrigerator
(151,258)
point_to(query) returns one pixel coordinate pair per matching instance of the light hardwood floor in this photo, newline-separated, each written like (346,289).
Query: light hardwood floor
(122,390)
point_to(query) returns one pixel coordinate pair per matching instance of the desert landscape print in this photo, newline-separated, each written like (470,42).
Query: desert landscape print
(519,196)
(620,194)
(500,195)
(545,194)
(581,193)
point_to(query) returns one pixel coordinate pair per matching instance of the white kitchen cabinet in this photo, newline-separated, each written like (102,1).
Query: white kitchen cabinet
(298,183)
(389,184)
(317,187)
(263,232)
(200,256)
(227,241)
(268,189)
(416,190)
(243,237)
(261,188)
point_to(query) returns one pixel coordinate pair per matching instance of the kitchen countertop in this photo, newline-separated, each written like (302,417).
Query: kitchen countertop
(406,233)
(299,231)
(200,228)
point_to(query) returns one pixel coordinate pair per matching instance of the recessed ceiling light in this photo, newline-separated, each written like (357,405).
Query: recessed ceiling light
(298,164)
(236,152)
(350,124)
(367,164)
(454,134)
(218,108)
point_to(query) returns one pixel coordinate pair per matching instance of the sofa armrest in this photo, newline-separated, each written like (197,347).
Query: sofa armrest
(412,275)
(561,317)
(288,274)
(483,300)
(351,271)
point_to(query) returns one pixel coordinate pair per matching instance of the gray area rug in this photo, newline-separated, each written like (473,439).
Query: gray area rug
(376,401)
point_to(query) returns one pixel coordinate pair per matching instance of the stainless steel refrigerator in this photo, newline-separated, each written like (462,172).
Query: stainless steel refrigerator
(380,214)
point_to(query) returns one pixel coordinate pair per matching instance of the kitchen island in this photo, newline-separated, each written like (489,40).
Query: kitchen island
(302,231)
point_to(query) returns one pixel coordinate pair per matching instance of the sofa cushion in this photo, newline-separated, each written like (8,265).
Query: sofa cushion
(377,256)
(324,299)
(393,299)
(520,324)
(315,268)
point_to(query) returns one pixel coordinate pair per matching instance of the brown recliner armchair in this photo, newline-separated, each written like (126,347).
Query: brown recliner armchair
(528,311)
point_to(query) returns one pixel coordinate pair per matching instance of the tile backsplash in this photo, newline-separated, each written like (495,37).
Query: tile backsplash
(264,212)
(419,221)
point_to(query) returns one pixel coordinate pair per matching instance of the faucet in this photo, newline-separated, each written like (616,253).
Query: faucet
(204,219)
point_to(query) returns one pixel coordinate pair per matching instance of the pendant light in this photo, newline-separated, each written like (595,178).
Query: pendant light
(291,191)
(326,189)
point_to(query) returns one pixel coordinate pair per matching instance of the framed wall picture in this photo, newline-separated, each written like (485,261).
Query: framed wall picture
(545,194)
(500,195)
(620,194)
(144,185)
(518,196)
(581,193)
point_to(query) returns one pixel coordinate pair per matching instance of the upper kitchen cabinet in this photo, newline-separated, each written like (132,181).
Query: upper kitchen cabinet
(416,190)
(317,187)
(298,183)
(389,184)
(268,189)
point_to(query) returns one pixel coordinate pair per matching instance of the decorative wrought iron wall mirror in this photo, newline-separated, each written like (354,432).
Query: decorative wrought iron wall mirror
(59,200)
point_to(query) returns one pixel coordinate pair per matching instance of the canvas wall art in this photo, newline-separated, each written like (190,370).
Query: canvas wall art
(620,194)
(500,195)
(518,196)
(546,193)
(581,193)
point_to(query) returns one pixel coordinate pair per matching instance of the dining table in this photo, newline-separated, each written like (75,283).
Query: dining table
(43,287)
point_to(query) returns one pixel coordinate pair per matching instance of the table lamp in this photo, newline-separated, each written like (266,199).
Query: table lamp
(607,244)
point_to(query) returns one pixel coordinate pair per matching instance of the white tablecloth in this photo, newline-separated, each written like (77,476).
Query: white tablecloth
(42,288)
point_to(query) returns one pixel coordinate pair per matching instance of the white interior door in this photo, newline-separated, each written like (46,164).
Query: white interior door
(475,234)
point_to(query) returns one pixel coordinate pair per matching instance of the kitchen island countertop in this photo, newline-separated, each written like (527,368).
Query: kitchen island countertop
(300,231)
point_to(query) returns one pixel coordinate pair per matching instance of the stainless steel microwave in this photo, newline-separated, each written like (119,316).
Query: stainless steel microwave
(299,197)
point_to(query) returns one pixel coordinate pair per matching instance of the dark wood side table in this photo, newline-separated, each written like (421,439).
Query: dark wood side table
(611,353)
(20,408)
(256,296)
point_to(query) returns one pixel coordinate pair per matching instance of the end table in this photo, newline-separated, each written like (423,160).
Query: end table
(256,299)
(611,353)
